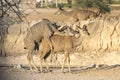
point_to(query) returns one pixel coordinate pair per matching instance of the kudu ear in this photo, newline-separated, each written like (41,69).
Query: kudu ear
(78,27)
(84,27)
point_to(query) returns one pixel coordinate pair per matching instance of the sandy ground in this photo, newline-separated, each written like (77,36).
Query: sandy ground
(106,73)
(16,68)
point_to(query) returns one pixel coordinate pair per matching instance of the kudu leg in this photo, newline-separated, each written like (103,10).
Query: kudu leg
(68,60)
(46,64)
(64,60)
(29,56)
(67,57)
(50,44)
(30,59)
(40,65)
(62,68)
(33,52)
(41,59)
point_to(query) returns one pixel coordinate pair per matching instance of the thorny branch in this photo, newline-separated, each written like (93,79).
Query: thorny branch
(7,6)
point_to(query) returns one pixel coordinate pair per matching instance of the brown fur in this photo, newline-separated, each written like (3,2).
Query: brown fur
(61,43)
(95,10)
(82,14)
(78,14)
(43,29)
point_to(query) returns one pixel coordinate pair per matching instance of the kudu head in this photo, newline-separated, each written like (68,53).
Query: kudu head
(59,11)
(71,32)
(83,31)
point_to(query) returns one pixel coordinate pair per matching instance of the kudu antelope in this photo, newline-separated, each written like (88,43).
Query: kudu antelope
(95,10)
(78,14)
(67,44)
(43,29)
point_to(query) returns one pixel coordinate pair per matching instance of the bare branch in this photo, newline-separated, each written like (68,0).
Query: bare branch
(10,6)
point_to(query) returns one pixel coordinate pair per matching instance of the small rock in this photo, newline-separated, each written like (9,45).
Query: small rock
(18,66)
